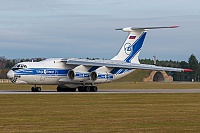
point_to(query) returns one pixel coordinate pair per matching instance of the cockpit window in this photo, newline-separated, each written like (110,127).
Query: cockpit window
(19,66)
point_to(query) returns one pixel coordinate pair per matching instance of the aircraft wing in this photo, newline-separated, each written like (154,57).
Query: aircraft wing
(120,64)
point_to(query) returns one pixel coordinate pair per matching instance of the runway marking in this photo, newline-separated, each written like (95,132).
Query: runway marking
(111,91)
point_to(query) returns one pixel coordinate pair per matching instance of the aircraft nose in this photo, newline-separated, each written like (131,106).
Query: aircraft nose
(10,74)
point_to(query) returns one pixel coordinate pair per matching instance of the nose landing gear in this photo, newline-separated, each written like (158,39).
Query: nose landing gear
(36,89)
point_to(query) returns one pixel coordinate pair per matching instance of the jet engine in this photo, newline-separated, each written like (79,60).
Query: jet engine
(101,75)
(79,73)
(78,76)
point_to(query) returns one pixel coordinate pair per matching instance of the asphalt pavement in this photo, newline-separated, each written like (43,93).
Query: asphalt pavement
(110,91)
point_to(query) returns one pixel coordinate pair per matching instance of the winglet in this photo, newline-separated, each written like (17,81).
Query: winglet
(187,70)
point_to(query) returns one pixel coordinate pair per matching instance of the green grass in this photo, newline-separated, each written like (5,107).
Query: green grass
(100,113)
(135,76)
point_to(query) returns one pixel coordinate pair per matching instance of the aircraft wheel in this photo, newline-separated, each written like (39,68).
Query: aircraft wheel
(87,88)
(59,89)
(33,89)
(94,89)
(73,89)
(81,89)
(66,89)
(36,89)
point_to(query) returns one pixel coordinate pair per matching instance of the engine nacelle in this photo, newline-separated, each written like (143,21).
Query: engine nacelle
(71,74)
(79,73)
(101,77)
(78,76)
(93,76)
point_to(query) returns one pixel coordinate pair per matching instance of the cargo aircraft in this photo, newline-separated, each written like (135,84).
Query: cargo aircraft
(70,74)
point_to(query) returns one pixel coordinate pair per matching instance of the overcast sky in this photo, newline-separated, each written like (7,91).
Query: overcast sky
(77,28)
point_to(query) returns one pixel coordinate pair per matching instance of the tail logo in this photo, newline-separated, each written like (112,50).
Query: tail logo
(127,48)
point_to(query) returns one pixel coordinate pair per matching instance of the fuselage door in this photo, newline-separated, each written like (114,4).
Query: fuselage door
(43,75)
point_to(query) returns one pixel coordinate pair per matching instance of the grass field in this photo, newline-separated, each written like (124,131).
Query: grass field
(135,76)
(100,113)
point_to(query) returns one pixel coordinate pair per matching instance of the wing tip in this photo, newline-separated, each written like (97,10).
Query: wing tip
(187,70)
(175,26)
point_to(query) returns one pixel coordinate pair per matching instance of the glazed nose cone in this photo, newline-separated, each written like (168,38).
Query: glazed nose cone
(10,74)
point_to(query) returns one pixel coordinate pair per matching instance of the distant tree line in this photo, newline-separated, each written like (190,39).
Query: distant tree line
(180,76)
(193,63)
(6,64)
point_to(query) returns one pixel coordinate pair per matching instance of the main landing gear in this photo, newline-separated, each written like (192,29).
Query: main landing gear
(36,89)
(80,89)
(65,89)
(87,89)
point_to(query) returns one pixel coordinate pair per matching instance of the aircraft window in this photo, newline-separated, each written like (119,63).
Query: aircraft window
(19,66)
(15,69)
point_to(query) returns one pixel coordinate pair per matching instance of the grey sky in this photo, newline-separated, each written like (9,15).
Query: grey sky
(63,28)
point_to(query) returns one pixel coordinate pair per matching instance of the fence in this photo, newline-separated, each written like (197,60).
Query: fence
(5,81)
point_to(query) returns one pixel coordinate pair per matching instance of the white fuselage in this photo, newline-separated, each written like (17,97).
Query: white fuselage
(54,72)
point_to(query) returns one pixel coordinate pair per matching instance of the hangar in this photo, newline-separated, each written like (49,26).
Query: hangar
(158,76)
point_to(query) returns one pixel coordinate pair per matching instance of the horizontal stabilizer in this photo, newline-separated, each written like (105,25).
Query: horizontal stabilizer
(129,29)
